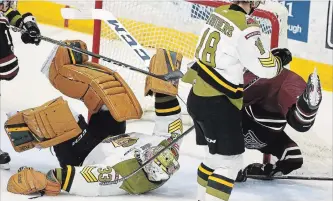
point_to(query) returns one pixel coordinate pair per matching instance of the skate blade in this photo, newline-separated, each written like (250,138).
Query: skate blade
(4,166)
(315,95)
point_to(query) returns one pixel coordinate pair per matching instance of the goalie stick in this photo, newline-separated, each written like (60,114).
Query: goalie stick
(174,75)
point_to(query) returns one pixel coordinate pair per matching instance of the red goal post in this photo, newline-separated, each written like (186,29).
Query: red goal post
(274,28)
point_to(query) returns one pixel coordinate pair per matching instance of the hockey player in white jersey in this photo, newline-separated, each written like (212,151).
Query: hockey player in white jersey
(229,42)
(95,155)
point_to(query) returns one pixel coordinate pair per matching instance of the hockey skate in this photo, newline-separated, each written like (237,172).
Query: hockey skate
(313,93)
(4,160)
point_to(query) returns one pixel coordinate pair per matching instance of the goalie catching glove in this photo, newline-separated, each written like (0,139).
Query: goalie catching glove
(28,181)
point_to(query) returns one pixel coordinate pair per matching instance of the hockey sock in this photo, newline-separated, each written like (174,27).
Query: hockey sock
(203,173)
(219,187)
(166,105)
(65,176)
(221,182)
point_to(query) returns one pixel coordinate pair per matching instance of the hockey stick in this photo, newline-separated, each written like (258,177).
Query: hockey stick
(174,75)
(262,177)
(112,22)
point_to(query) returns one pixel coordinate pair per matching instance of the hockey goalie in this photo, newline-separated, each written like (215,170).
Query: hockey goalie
(95,156)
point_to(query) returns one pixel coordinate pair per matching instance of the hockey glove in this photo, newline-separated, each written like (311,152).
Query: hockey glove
(28,181)
(284,54)
(32,31)
(256,169)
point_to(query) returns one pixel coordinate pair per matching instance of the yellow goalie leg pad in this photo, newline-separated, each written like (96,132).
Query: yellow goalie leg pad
(163,62)
(47,125)
(92,83)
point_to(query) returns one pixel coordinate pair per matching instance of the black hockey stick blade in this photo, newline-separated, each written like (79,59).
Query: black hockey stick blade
(173,76)
(263,177)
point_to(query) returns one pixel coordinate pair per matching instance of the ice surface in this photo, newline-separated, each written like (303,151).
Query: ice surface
(31,89)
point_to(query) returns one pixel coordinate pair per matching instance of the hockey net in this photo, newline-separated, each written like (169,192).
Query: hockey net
(172,25)
(175,25)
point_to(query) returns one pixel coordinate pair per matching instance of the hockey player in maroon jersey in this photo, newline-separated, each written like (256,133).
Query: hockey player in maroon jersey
(269,106)
(9,66)
(9,16)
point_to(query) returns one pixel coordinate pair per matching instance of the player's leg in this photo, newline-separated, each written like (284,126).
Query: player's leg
(301,116)
(288,152)
(277,144)
(203,170)
(4,160)
(168,118)
(101,125)
(167,109)
(225,142)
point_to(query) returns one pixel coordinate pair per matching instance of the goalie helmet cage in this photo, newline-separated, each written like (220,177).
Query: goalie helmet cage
(269,23)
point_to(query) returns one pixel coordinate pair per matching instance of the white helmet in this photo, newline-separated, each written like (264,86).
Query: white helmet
(162,167)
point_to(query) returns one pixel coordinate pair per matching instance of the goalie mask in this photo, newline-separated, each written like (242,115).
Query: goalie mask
(162,167)
(5,5)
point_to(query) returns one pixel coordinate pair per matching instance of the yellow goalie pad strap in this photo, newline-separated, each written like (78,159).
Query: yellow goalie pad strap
(163,62)
(47,125)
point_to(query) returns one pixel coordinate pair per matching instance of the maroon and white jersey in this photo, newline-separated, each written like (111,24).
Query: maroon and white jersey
(8,61)
(268,101)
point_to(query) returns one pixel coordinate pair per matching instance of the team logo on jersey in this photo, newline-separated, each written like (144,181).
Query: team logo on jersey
(252,142)
(122,141)
(251,21)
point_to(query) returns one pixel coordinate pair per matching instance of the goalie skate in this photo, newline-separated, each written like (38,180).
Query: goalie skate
(313,93)
(4,160)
